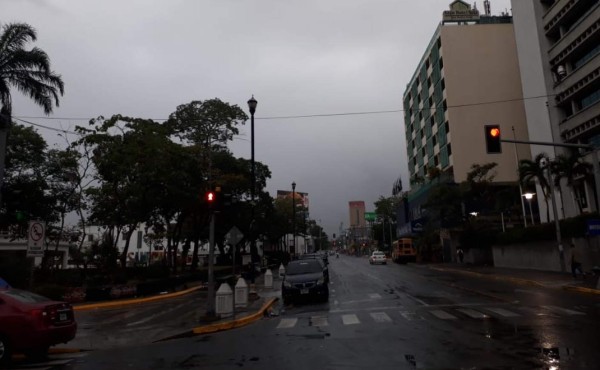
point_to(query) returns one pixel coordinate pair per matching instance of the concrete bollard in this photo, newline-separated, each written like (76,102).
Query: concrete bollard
(268,279)
(224,304)
(281,271)
(241,293)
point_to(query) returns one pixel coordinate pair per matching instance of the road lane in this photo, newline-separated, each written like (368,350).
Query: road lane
(392,317)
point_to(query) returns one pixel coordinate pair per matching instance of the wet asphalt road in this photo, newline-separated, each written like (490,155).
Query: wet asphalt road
(393,317)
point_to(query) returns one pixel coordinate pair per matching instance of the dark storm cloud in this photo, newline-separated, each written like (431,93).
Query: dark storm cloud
(143,58)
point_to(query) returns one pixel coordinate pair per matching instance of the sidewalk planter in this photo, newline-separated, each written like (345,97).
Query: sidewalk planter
(241,293)
(269,279)
(224,300)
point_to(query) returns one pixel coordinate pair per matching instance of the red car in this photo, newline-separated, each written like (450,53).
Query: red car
(30,323)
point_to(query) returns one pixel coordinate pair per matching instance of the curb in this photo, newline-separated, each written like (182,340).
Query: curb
(492,277)
(222,326)
(580,289)
(237,323)
(133,301)
(62,351)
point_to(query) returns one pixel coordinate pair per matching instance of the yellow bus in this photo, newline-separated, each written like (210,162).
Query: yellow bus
(403,251)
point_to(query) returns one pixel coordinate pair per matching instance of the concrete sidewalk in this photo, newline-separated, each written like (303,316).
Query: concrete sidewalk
(546,279)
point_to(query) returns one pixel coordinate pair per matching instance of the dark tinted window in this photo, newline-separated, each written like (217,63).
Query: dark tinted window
(23,296)
(304,267)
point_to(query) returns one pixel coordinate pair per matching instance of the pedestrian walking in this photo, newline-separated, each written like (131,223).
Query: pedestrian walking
(575,264)
(461,254)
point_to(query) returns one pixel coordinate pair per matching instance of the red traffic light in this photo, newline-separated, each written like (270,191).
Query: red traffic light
(495,132)
(210,196)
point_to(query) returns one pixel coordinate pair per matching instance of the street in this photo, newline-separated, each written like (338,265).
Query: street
(390,316)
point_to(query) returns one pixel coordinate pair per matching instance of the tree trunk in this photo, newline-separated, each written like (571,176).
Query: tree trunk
(126,248)
(194,265)
(184,253)
(4,127)
(60,232)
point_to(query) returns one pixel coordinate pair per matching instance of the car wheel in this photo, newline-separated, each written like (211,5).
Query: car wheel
(5,352)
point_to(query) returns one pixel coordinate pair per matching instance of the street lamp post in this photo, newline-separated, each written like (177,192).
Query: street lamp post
(294,216)
(529,196)
(252,107)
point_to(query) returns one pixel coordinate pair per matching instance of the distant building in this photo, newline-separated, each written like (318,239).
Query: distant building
(301,198)
(558,44)
(358,230)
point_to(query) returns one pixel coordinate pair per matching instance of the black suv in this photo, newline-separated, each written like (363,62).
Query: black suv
(304,278)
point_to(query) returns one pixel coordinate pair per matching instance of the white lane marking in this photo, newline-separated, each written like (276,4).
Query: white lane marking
(350,319)
(380,317)
(287,323)
(561,310)
(152,317)
(442,315)
(375,296)
(472,313)
(503,312)
(417,299)
(536,311)
(319,321)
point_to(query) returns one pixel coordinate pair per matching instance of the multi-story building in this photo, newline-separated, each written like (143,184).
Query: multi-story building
(558,44)
(467,78)
(358,226)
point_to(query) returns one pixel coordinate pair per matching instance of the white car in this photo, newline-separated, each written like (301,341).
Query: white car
(378,257)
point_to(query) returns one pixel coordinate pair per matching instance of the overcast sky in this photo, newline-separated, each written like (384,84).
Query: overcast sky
(143,58)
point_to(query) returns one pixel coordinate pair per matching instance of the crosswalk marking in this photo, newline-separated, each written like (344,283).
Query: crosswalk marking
(443,315)
(472,313)
(410,316)
(503,312)
(319,321)
(565,311)
(375,296)
(380,317)
(350,319)
(287,323)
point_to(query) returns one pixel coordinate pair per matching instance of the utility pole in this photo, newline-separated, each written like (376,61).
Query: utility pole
(210,310)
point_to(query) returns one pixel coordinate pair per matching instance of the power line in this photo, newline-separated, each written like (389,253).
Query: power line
(46,127)
(327,114)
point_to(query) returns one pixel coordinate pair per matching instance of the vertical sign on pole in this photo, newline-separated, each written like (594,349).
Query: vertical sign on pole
(35,238)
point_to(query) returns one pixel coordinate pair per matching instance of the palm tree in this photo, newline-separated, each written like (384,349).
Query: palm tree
(572,168)
(536,171)
(29,72)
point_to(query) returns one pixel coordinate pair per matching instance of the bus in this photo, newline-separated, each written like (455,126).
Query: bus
(403,251)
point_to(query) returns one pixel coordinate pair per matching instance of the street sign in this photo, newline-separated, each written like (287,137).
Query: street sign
(593,227)
(234,235)
(36,238)
(370,216)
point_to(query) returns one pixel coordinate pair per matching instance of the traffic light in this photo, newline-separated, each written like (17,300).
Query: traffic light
(492,139)
(211,199)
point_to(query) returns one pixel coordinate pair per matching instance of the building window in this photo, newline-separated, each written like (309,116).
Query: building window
(434,140)
(439,43)
(423,151)
(436,160)
(427,63)
(445,105)
(443,85)
(584,59)
(447,127)
(420,115)
(441,63)
(591,99)
(449,148)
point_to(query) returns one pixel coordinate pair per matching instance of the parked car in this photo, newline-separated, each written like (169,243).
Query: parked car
(377,257)
(317,257)
(304,279)
(30,323)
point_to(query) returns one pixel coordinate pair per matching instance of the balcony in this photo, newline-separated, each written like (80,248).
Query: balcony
(563,12)
(581,122)
(584,31)
(578,80)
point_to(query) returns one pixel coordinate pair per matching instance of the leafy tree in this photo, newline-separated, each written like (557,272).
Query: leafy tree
(27,71)
(535,171)
(573,169)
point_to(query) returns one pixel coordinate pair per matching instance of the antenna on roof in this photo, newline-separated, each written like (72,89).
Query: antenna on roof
(487,8)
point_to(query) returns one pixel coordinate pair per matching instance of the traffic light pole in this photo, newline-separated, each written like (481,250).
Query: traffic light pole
(210,307)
